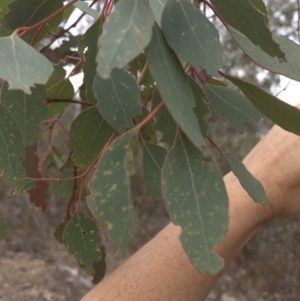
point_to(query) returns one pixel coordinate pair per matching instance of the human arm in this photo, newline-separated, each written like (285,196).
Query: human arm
(161,270)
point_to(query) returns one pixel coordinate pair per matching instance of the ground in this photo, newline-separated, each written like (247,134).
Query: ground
(34,266)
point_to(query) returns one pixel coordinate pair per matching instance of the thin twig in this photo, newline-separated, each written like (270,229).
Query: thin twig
(26,29)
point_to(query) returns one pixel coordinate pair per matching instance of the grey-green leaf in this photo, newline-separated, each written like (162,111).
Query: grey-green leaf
(153,159)
(11,150)
(201,110)
(173,85)
(250,21)
(196,200)
(253,187)
(118,99)
(89,133)
(3,229)
(232,106)
(289,68)
(164,122)
(126,33)
(157,7)
(27,110)
(192,35)
(82,239)
(110,201)
(88,49)
(83,6)
(283,114)
(21,65)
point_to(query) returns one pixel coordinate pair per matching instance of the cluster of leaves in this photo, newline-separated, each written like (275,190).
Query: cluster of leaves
(151,76)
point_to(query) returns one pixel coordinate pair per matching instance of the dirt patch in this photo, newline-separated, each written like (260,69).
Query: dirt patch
(34,266)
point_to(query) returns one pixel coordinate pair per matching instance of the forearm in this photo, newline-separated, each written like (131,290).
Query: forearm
(161,269)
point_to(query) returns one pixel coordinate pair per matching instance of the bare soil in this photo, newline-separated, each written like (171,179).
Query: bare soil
(34,266)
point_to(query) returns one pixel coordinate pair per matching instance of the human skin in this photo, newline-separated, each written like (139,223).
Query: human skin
(161,270)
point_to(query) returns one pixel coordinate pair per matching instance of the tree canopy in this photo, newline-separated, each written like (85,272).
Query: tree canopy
(153,71)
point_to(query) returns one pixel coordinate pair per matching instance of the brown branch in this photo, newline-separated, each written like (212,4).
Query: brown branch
(52,100)
(26,29)
(150,116)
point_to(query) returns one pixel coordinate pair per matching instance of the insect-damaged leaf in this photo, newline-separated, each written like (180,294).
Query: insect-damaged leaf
(250,21)
(173,85)
(21,65)
(38,191)
(90,41)
(89,133)
(11,149)
(247,180)
(82,239)
(118,99)
(192,35)
(111,201)
(232,106)
(27,110)
(153,160)
(283,114)
(289,68)
(196,200)
(3,229)
(126,33)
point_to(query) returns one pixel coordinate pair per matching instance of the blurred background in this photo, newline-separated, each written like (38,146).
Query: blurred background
(34,266)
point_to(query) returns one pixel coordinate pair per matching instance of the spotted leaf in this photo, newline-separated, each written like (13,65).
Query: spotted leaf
(82,239)
(196,200)
(110,201)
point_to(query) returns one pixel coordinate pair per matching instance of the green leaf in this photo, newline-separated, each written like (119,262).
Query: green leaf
(232,106)
(61,90)
(259,5)
(164,121)
(100,267)
(118,99)
(247,180)
(250,21)
(11,149)
(27,110)
(278,111)
(88,56)
(153,159)
(28,12)
(289,68)
(111,201)
(83,6)
(64,188)
(192,35)
(3,229)
(82,239)
(196,200)
(173,85)
(201,110)
(89,133)
(60,230)
(126,33)
(21,65)
(157,8)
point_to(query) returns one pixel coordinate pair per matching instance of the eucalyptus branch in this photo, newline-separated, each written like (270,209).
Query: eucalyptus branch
(51,100)
(26,29)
